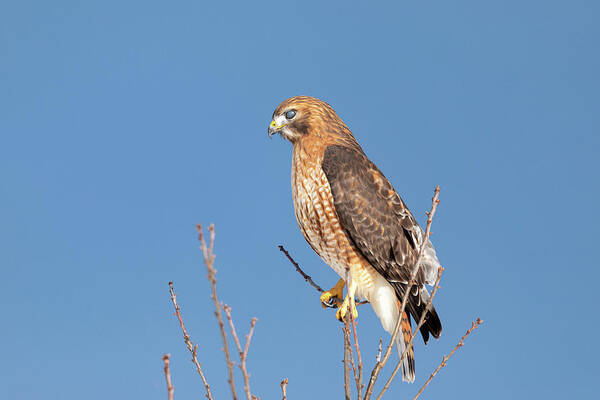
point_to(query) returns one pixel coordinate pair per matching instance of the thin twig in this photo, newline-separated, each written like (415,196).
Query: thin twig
(209,259)
(308,279)
(243,353)
(350,321)
(188,341)
(347,350)
(360,364)
(445,359)
(304,275)
(378,366)
(284,384)
(346,328)
(378,356)
(168,376)
(436,286)
(249,336)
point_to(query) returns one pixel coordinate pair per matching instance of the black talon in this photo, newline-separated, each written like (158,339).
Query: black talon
(331,303)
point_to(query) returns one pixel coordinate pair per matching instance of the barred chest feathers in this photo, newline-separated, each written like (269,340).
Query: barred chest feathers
(319,223)
(315,211)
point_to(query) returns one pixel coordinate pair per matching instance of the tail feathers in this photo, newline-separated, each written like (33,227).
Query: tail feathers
(432,320)
(416,305)
(433,323)
(408,363)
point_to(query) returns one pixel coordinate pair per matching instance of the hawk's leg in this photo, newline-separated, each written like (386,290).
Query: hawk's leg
(333,297)
(348,303)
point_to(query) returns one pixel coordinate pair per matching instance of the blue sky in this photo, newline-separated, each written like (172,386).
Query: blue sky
(123,124)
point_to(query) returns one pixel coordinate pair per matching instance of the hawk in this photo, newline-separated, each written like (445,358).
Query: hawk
(356,222)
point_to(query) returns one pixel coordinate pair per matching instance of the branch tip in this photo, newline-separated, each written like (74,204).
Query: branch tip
(167,370)
(474,325)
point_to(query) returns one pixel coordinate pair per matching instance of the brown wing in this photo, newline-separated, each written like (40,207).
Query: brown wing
(378,223)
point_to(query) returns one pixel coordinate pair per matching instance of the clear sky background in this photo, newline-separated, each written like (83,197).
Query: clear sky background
(123,124)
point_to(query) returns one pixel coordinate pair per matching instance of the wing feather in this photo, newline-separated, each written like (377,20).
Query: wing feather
(378,223)
(373,214)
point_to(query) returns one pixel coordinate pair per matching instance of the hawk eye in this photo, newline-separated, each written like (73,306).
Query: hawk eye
(290,114)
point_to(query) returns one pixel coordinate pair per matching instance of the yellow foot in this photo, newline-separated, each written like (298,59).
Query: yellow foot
(332,298)
(346,305)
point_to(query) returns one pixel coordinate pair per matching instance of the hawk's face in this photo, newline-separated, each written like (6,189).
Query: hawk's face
(302,116)
(291,119)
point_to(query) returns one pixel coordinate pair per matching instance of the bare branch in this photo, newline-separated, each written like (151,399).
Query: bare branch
(188,342)
(249,337)
(350,321)
(359,383)
(347,350)
(445,359)
(414,334)
(168,376)
(284,384)
(304,275)
(308,279)
(209,259)
(346,329)
(378,356)
(227,310)
(243,353)
(375,373)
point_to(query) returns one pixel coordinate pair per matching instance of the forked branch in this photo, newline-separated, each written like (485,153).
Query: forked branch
(209,260)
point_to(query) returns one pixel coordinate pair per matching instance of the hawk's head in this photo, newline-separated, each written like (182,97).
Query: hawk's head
(302,116)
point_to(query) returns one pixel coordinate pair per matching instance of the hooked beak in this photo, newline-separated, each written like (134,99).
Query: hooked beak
(274,128)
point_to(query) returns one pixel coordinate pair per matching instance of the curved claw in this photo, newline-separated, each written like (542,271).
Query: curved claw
(332,298)
(332,302)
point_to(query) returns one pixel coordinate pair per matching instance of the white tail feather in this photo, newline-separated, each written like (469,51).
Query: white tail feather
(385,304)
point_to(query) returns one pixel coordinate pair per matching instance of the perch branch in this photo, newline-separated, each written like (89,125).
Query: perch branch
(378,366)
(188,341)
(350,321)
(359,383)
(347,350)
(306,277)
(209,260)
(346,329)
(168,376)
(445,359)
